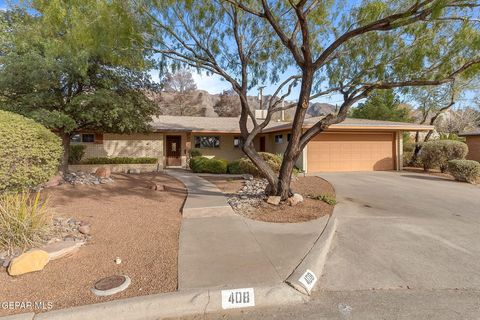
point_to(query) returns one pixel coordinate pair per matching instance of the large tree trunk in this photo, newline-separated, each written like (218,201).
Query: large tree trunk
(66,151)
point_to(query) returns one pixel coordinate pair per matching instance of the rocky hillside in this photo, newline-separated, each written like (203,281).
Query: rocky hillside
(200,103)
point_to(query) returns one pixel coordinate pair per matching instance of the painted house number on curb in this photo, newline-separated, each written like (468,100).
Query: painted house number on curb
(308,279)
(238,298)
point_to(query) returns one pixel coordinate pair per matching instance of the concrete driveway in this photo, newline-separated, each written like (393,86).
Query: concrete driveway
(403,230)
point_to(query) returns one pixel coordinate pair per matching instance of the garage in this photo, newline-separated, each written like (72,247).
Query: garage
(351,151)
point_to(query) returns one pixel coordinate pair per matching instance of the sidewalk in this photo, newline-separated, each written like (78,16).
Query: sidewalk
(221,249)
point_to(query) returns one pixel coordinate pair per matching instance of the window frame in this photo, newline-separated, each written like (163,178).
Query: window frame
(240,142)
(280,139)
(79,138)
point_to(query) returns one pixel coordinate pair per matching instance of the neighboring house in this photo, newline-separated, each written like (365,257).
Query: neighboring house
(353,145)
(473,143)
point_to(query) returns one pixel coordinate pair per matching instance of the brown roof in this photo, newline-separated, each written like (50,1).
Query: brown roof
(231,125)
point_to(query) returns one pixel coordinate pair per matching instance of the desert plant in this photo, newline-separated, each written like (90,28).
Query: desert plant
(464,170)
(121,160)
(25,220)
(234,167)
(76,153)
(273,160)
(437,153)
(30,153)
(325,198)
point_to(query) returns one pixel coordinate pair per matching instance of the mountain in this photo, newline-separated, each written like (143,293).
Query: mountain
(320,109)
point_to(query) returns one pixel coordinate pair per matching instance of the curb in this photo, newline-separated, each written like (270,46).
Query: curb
(305,276)
(167,305)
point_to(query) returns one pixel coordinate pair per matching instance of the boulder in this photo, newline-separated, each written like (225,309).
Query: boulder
(53,182)
(30,261)
(156,187)
(84,229)
(61,249)
(103,172)
(295,199)
(275,200)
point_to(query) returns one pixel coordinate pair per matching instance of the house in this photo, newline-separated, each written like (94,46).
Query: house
(353,145)
(473,143)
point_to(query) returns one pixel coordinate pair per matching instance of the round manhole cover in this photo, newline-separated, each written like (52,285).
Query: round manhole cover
(111,285)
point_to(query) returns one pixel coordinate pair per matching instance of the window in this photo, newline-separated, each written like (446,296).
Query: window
(279,138)
(83,137)
(237,142)
(289,137)
(207,142)
(88,137)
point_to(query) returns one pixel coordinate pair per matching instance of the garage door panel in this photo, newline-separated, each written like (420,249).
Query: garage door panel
(351,152)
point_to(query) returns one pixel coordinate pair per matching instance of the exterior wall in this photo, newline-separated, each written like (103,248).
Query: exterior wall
(226,151)
(473,143)
(126,145)
(279,148)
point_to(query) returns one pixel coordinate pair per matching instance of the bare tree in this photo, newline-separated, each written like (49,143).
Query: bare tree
(459,120)
(183,101)
(351,52)
(181,81)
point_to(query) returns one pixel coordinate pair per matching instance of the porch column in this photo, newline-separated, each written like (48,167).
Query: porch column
(188,147)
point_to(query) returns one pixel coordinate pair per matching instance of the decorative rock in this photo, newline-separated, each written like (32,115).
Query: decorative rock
(295,199)
(62,249)
(118,260)
(134,170)
(103,172)
(156,187)
(29,261)
(247,177)
(53,182)
(5,262)
(84,229)
(275,200)
(86,178)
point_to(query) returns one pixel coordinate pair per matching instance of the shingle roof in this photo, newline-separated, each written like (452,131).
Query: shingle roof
(231,124)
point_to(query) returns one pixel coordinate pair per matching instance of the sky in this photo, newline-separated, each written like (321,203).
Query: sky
(215,84)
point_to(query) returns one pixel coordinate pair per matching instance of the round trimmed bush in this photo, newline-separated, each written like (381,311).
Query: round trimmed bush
(464,170)
(234,167)
(437,153)
(29,152)
(273,160)
(206,165)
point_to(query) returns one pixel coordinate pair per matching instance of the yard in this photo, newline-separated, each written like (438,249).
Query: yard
(239,193)
(129,221)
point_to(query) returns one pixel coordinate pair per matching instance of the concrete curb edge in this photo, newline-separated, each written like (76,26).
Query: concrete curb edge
(159,306)
(315,260)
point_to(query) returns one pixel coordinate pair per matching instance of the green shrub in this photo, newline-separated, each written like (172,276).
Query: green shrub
(121,160)
(437,153)
(234,167)
(195,153)
(76,153)
(464,170)
(29,152)
(274,161)
(25,220)
(325,198)
(205,165)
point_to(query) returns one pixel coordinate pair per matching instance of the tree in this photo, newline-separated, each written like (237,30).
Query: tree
(182,87)
(228,105)
(350,49)
(76,66)
(382,105)
(180,82)
(458,121)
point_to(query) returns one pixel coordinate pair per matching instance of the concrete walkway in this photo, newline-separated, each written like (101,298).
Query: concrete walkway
(221,249)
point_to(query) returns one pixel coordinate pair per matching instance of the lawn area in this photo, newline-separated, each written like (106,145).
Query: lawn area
(129,221)
(254,207)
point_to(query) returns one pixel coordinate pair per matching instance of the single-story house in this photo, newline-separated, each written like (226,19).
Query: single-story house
(353,145)
(473,143)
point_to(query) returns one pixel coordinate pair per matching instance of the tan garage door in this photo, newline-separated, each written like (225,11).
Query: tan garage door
(351,152)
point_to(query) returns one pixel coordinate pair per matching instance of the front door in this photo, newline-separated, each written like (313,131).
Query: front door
(174,151)
(262,144)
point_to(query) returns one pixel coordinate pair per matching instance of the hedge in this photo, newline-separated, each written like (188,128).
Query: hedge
(206,165)
(234,167)
(464,170)
(120,160)
(30,153)
(437,153)
(273,160)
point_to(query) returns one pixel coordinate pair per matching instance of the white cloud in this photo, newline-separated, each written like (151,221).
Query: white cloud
(210,83)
